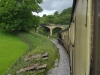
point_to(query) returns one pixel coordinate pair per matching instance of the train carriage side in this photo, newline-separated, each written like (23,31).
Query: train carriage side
(81,49)
(84,48)
(95,67)
(65,38)
(71,45)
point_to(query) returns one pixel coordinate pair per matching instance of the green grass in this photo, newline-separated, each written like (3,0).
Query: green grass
(11,48)
(43,44)
(40,44)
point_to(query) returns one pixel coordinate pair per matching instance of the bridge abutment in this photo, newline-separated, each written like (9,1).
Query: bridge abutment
(51,31)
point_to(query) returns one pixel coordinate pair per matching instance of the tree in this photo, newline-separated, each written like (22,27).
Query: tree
(49,19)
(17,15)
(56,13)
(35,21)
(68,11)
(44,15)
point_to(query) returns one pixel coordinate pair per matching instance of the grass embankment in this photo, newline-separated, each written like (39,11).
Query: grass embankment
(41,44)
(11,48)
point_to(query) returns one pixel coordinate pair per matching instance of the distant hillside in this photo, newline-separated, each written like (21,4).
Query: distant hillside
(57,18)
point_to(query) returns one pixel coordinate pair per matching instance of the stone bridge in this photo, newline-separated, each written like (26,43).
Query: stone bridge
(53,26)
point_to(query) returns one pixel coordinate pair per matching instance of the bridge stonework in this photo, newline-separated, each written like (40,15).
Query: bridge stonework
(53,26)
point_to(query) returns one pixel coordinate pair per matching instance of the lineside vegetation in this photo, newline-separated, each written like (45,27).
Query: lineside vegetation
(12,47)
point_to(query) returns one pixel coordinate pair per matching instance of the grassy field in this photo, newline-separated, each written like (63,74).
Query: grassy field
(11,48)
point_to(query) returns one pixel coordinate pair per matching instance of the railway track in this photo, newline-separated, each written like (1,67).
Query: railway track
(62,67)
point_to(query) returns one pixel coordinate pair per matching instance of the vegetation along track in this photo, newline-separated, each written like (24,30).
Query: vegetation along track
(26,41)
(38,45)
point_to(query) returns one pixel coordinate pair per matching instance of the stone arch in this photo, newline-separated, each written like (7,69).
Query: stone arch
(51,27)
(44,28)
(56,30)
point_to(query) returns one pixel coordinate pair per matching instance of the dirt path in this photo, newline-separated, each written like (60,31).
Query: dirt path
(62,67)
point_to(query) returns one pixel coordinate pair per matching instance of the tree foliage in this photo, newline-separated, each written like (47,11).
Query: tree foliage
(58,18)
(17,14)
(56,13)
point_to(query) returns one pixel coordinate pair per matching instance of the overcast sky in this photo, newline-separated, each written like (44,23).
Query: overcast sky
(50,6)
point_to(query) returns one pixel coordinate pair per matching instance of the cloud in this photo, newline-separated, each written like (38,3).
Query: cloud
(50,6)
(58,5)
(47,12)
(34,13)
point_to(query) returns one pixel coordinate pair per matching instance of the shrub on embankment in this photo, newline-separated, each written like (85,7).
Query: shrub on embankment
(40,44)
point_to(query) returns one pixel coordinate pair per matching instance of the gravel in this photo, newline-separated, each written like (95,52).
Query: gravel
(62,66)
